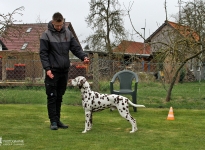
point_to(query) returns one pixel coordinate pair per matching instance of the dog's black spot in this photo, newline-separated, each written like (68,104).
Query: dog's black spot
(96,95)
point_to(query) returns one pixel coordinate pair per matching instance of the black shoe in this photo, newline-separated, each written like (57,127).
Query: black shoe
(54,126)
(61,125)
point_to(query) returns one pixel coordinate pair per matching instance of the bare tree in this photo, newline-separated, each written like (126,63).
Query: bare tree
(174,48)
(105,19)
(7,20)
(192,45)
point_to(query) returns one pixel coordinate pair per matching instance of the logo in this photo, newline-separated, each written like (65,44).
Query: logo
(0,140)
(10,142)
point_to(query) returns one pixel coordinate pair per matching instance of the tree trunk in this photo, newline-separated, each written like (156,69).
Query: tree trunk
(169,92)
(108,29)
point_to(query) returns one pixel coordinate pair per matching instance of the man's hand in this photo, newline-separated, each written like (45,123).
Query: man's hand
(49,73)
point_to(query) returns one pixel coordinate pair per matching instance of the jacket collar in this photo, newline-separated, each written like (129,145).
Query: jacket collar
(51,28)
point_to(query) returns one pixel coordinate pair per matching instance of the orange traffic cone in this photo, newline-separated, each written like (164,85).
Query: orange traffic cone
(171,114)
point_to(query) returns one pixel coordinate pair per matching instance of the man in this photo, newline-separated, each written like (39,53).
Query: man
(55,44)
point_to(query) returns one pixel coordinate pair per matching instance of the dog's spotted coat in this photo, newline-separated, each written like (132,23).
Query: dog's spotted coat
(94,101)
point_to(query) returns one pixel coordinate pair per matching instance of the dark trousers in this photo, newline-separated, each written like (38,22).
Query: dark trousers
(55,89)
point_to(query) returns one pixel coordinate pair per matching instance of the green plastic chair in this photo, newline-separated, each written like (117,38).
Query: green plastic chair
(125,78)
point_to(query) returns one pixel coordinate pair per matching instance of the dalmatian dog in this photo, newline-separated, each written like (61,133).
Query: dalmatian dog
(94,101)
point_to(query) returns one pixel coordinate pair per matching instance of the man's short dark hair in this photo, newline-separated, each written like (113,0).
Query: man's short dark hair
(58,17)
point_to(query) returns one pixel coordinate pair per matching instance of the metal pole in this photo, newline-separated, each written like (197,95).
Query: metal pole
(144,40)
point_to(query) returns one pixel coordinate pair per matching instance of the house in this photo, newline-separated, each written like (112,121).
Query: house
(135,56)
(128,48)
(168,33)
(135,53)
(25,37)
(20,49)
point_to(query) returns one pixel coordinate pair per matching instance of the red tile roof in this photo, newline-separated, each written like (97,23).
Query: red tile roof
(19,36)
(183,30)
(131,47)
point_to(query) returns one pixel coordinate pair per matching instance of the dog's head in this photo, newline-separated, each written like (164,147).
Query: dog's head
(78,81)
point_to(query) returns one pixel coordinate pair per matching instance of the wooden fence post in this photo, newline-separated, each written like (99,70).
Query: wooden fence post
(96,73)
(3,69)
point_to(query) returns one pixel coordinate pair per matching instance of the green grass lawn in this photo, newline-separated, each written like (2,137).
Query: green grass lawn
(29,122)
(152,94)
(23,117)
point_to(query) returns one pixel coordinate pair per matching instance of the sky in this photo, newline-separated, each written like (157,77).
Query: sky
(148,14)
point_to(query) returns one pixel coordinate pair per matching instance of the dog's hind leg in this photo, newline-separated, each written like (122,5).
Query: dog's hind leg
(87,121)
(129,118)
(133,123)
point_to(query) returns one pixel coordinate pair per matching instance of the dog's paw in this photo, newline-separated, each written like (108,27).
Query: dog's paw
(112,108)
(134,130)
(84,131)
(88,129)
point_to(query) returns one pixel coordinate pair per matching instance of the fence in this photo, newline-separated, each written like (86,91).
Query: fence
(30,72)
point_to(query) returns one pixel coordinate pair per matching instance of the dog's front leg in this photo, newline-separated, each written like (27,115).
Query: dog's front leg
(87,121)
(90,122)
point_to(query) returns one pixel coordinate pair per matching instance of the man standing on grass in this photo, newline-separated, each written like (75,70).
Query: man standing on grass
(55,44)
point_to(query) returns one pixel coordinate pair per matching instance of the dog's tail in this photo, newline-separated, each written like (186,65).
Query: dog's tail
(135,105)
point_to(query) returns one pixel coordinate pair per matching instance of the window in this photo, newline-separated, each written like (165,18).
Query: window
(24,46)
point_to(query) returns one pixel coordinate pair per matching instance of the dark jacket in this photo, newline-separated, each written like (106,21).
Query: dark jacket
(55,46)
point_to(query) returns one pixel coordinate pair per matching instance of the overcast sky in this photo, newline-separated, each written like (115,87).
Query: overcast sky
(75,11)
